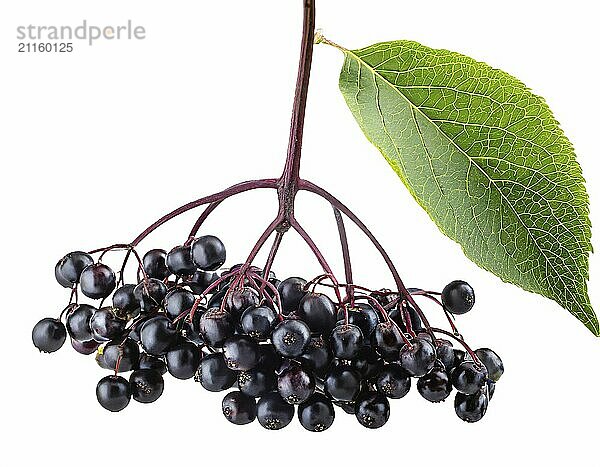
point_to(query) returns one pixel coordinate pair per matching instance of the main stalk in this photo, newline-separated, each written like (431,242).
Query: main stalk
(288,182)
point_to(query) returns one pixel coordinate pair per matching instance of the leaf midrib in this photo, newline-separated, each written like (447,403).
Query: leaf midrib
(471,161)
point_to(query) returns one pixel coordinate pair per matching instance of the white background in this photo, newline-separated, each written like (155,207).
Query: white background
(97,144)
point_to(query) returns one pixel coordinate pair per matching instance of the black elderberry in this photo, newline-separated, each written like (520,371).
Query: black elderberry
(216,326)
(69,268)
(155,264)
(239,408)
(418,357)
(85,348)
(372,409)
(78,322)
(367,362)
(362,315)
(241,299)
(200,281)
(291,291)
(295,384)
(492,362)
(146,385)
(317,357)
(124,298)
(346,340)
(445,353)
(458,297)
(388,340)
(150,294)
(291,337)
(128,352)
(106,325)
(177,301)
(318,312)
(183,360)
(393,381)
(214,374)
(342,383)
(151,362)
(256,382)
(435,386)
(258,322)
(469,378)
(157,335)
(241,353)
(208,253)
(470,408)
(273,412)
(97,281)
(316,413)
(113,393)
(179,261)
(49,335)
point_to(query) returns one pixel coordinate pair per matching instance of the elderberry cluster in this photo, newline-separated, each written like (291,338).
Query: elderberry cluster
(282,346)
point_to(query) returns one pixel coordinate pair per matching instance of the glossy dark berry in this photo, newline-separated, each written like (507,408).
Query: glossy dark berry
(470,408)
(362,315)
(342,383)
(106,324)
(435,386)
(100,361)
(85,348)
(291,337)
(208,253)
(418,358)
(273,412)
(258,321)
(78,322)
(200,281)
(468,378)
(367,362)
(179,261)
(346,340)
(393,381)
(291,291)
(239,408)
(257,382)
(317,357)
(445,353)
(458,297)
(217,298)
(177,301)
(70,267)
(296,385)
(157,335)
(150,294)
(318,312)
(241,353)
(316,413)
(97,281)
(239,300)
(151,362)
(183,360)
(113,393)
(491,388)
(216,326)
(269,359)
(49,335)
(492,362)
(146,385)
(127,350)
(60,278)
(214,374)
(155,264)
(372,409)
(125,299)
(388,340)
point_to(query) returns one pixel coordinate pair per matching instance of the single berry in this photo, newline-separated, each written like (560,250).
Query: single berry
(177,301)
(124,298)
(241,353)
(458,297)
(435,386)
(418,358)
(128,352)
(157,335)
(317,357)
(97,281)
(150,294)
(239,408)
(208,253)
(388,340)
(291,291)
(318,312)
(273,412)
(49,335)
(362,315)
(346,340)
(183,360)
(214,374)
(445,353)
(342,383)
(239,300)
(106,324)
(179,261)
(470,408)
(113,393)
(393,381)
(367,362)
(216,326)
(70,267)
(256,382)
(78,322)
(155,264)
(151,362)
(316,413)
(200,281)
(146,385)
(492,362)
(468,378)
(258,322)
(372,409)
(291,337)
(296,385)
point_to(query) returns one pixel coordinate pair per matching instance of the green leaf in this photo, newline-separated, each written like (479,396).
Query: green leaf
(485,158)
